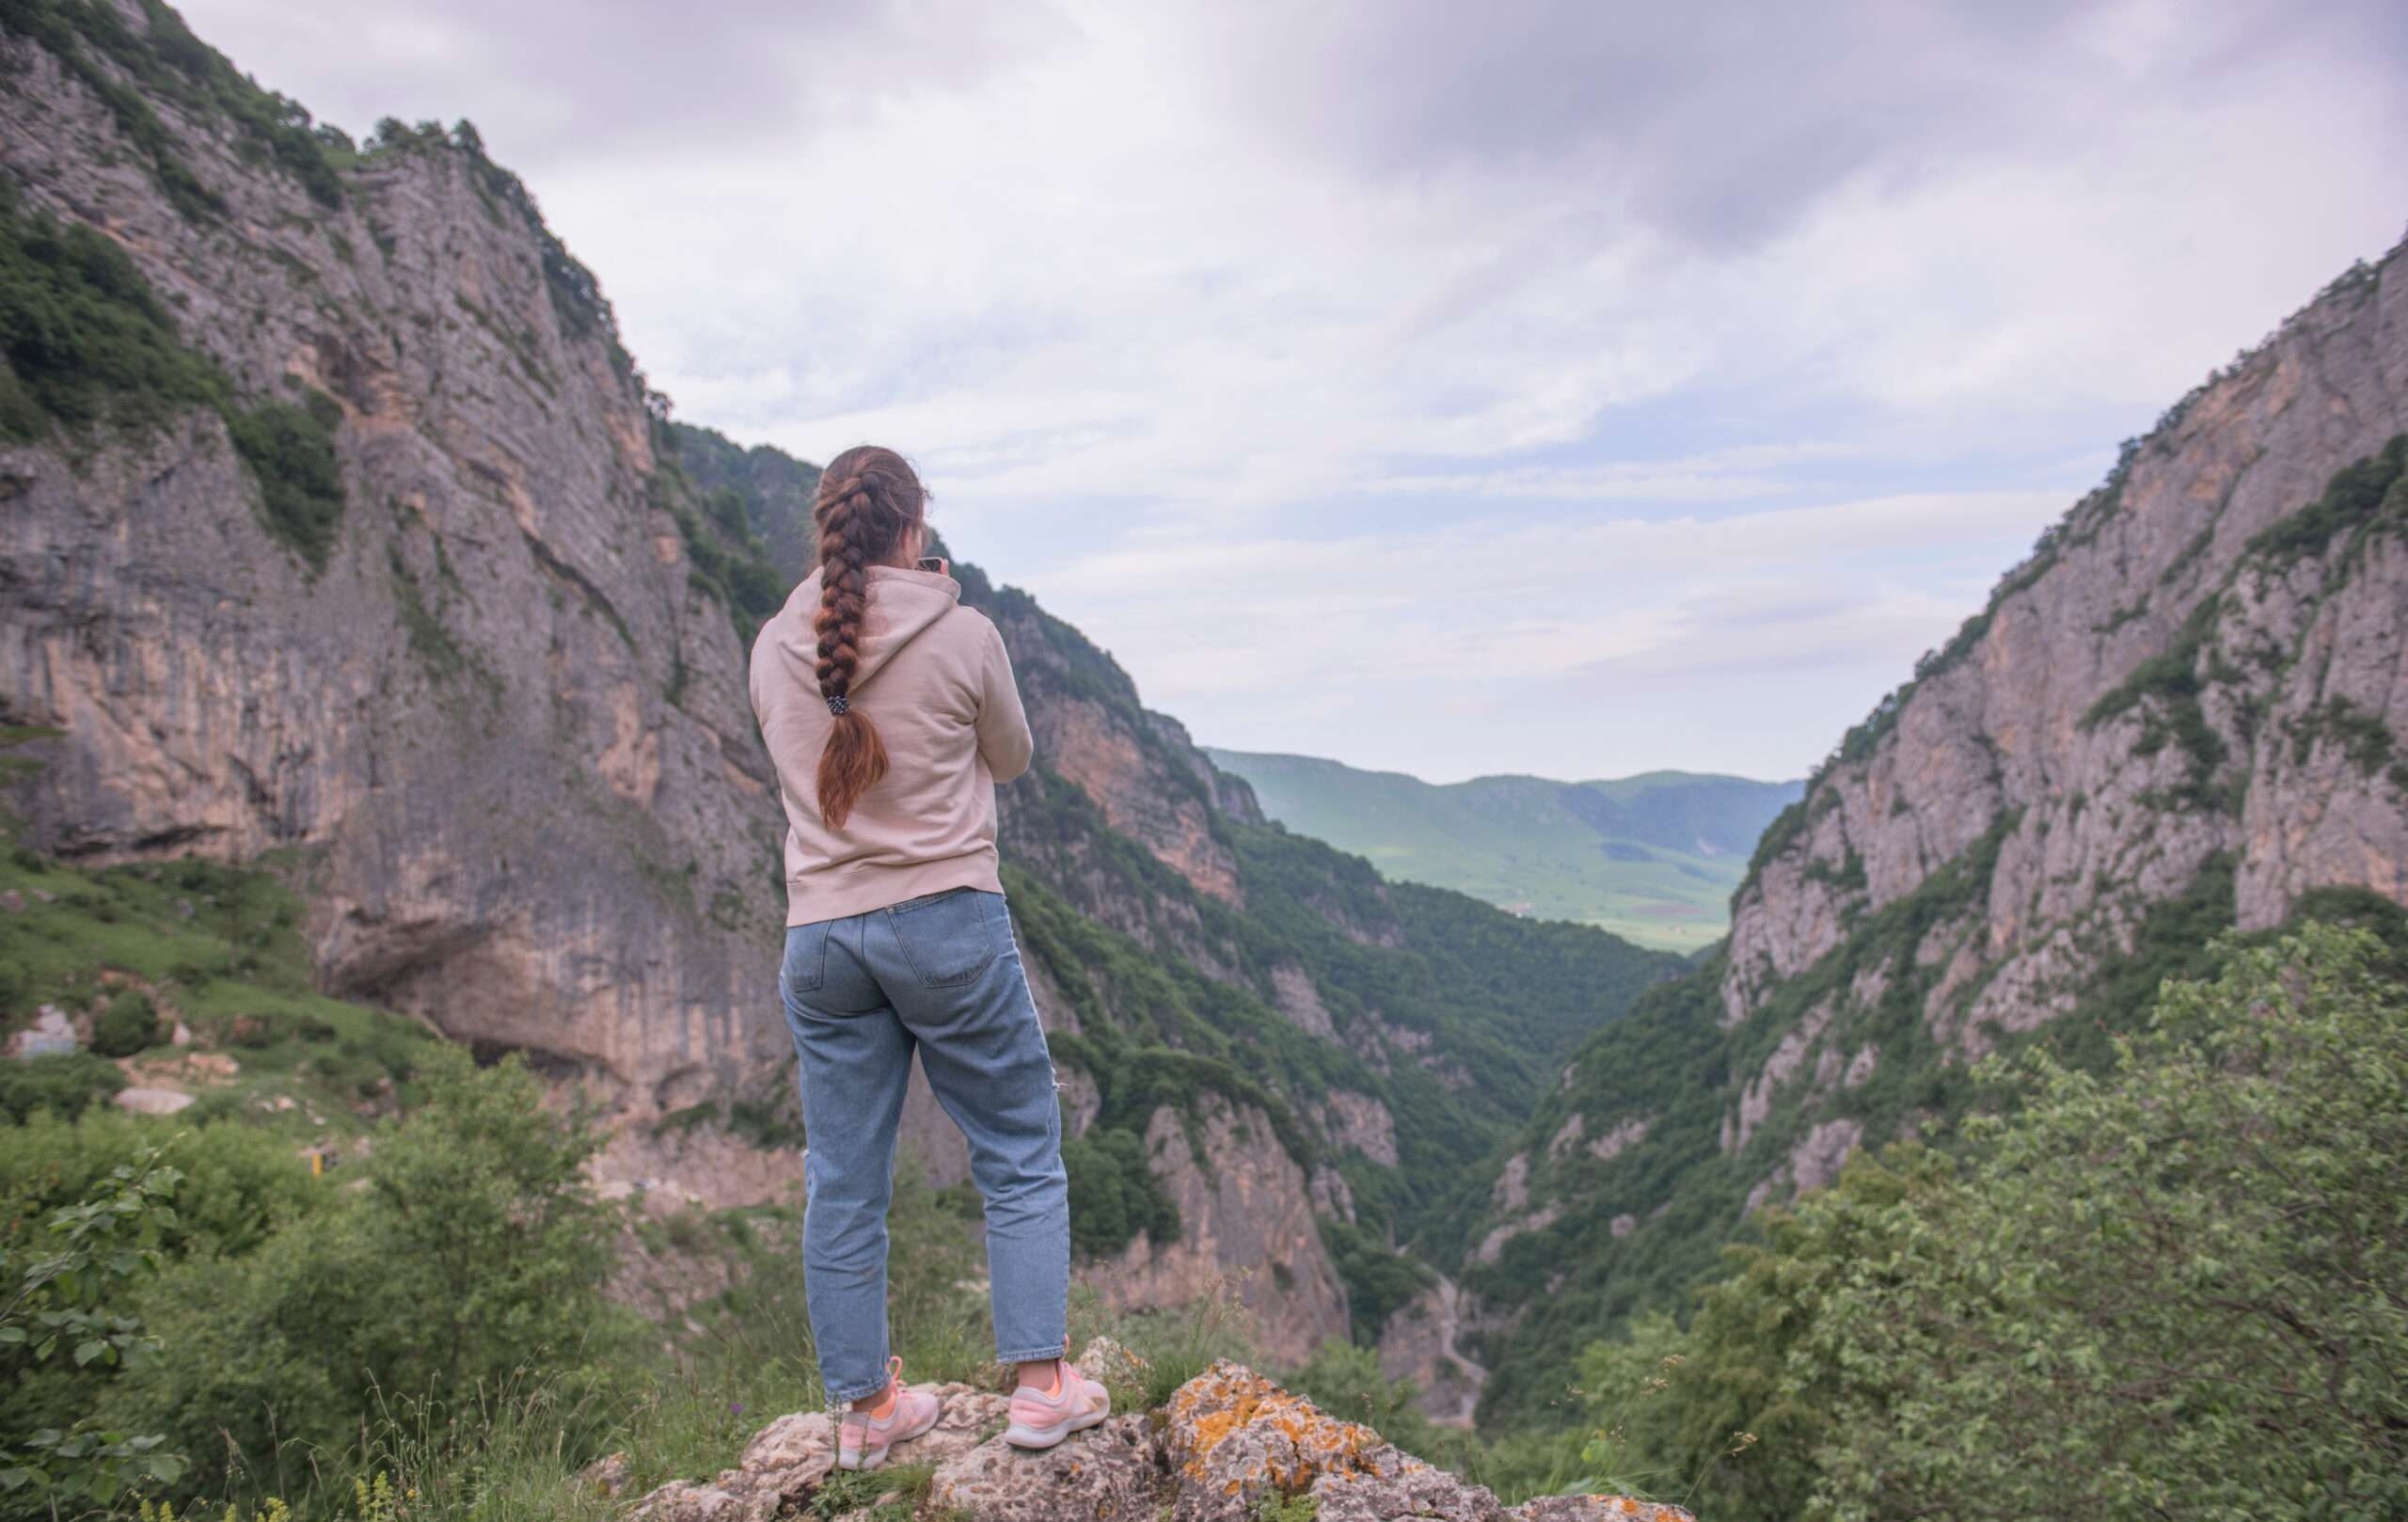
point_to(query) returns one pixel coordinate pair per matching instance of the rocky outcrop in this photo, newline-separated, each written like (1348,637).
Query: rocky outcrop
(787,1461)
(1360,1123)
(1234,1441)
(1246,1230)
(1228,1443)
(1110,1474)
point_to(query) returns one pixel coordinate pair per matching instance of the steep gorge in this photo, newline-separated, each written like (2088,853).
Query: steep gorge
(2182,714)
(342,533)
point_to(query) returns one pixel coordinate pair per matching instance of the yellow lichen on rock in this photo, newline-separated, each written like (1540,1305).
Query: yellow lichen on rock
(1234,1434)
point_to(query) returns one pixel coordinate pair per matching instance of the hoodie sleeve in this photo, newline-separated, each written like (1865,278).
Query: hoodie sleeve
(1004,739)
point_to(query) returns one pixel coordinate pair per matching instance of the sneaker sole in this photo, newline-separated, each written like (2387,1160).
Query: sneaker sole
(1041,1437)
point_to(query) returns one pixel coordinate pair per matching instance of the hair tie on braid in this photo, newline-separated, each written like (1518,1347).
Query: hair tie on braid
(837,705)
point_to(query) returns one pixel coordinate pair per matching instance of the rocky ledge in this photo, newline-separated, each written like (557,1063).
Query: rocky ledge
(1229,1446)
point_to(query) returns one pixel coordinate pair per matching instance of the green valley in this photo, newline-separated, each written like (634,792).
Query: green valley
(1652,858)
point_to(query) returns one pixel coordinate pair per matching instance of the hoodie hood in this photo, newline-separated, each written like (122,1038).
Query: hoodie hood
(902,606)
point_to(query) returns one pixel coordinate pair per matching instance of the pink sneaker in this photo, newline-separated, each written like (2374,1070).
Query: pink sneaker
(863,1439)
(1041,1418)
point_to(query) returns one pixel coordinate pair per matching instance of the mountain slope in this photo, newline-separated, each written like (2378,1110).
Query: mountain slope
(1653,858)
(2182,714)
(343,536)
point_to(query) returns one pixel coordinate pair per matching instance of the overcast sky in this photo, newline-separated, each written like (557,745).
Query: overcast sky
(1573,389)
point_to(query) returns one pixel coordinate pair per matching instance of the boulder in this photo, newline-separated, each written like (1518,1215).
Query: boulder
(788,1459)
(51,1031)
(1111,1473)
(1595,1509)
(1111,1365)
(1234,1440)
(153,1100)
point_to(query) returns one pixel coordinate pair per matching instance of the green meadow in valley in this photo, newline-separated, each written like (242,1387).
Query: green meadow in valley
(1652,858)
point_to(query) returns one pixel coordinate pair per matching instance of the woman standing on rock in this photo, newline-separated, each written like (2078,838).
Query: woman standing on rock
(890,712)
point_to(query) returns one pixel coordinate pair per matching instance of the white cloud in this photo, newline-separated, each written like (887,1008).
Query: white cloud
(1340,646)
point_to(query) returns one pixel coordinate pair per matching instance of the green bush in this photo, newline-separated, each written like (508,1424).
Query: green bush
(2171,1282)
(88,344)
(291,450)
(130,1023)
(85,340)
(2164,1290)
(1114,1194)
(64,1083)
(241,1183)
(66,1294)
(1379,1279)
(475,1252)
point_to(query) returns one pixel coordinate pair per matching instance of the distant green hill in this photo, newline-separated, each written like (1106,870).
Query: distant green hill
(1653,858)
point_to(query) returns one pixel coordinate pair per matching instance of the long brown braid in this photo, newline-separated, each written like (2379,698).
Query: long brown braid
(868,500)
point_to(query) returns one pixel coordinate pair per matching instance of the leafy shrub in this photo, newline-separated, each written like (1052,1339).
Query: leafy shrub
(291,450)
(130,1023)
(2153,1292)
(64,1083)
(87,342)
(1114,1194)
(241,1183)
(1379,1279)
(65,1297)
(476,1250)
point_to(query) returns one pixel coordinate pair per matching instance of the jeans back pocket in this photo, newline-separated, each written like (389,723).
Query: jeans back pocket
(805,963)
(946,936)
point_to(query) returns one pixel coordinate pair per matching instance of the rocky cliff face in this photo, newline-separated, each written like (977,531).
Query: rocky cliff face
(2199,673)
(496,720)
(2182,714)
(1247,1228)
(384,564)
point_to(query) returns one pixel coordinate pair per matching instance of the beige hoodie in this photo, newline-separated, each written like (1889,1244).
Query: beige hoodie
(934,678)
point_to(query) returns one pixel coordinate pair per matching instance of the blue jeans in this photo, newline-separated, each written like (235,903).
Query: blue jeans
(941,974)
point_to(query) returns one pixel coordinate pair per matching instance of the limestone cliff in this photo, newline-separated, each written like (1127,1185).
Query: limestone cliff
(493,718)
(2181,715)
